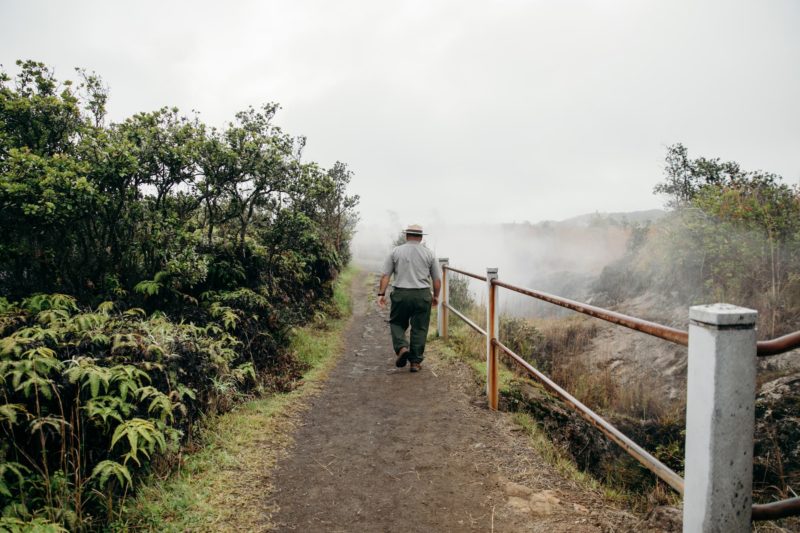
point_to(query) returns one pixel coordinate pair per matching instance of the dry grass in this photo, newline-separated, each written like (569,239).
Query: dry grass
(556,346)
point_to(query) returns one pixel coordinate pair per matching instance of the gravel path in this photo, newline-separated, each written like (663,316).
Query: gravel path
(381,449)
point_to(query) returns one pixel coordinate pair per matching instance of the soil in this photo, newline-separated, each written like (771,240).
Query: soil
(381,449)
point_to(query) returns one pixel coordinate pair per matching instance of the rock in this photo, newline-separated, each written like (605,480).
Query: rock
(515,489)
(664,518)
(519,505)
(777,436)
(543,503)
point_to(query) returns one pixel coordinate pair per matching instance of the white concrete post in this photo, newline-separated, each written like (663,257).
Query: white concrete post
(720,419)
(492,329)
(441,312)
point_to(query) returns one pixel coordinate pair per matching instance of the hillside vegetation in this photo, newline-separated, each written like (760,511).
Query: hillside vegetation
(729,235)
(151,271)
(732,236)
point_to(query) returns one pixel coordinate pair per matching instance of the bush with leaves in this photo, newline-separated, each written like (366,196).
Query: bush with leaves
(150,272)
(90,396)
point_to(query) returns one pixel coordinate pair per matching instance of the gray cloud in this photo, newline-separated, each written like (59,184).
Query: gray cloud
(460,112)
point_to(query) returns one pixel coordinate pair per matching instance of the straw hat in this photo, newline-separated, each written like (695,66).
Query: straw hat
(415,229)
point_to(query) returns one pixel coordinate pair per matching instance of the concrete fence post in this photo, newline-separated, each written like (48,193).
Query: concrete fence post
(720,419)
(441,310)
(492,328)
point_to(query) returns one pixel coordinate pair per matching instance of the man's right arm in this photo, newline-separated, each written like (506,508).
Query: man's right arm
(382,290)
(388,269)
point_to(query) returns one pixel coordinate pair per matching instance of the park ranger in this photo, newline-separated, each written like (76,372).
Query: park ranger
(414,266)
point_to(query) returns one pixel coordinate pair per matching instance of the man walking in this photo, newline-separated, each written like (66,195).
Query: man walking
(413,266)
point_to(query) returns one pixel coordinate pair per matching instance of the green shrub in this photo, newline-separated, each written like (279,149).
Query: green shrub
(150,273)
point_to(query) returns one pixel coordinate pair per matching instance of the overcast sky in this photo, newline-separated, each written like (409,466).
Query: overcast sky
(458,112)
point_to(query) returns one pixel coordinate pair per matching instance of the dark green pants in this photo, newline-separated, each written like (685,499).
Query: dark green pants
(410,307)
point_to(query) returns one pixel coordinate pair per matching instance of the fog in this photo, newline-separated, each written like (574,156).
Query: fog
(456,112)
(555,256)
(462,116)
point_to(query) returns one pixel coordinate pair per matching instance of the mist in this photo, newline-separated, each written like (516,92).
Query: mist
(561,257)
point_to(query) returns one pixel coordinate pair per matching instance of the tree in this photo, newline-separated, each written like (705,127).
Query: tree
(740,229)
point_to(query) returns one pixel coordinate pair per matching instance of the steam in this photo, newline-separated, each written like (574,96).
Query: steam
(560,257)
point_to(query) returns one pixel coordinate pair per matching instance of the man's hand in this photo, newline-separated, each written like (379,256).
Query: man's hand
(435,301)
(382,290)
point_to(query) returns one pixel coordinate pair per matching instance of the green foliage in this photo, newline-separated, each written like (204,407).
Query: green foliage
(107,470)
(734,237)
(159,205)
(150,273)
(458,292)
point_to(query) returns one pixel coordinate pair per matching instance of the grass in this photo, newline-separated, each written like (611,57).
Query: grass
(223,485)
(569,336)
(563,464)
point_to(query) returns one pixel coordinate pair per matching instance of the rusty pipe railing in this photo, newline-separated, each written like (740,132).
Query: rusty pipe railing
(775,346)
(779,345)
(463,317)
(637,452)
(776,510)
(769,511)
(651,328)
(465,273)
(631,448)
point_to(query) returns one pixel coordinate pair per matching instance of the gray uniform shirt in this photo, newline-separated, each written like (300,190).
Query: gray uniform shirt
(412,265)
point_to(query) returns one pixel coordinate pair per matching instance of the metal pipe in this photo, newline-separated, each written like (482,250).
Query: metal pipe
(492,331)
(779,345)
(645,326)
(631,448)
(469,322)
(465,273)
(442,318)
(776,510)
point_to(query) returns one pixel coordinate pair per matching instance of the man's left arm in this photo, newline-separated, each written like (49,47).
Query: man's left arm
(436,276)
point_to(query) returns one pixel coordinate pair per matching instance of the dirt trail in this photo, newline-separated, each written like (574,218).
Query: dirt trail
(381,449)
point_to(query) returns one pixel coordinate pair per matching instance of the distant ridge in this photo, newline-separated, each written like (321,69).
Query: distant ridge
(591,219)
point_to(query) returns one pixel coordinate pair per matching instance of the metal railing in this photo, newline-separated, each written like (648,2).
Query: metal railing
(725,319)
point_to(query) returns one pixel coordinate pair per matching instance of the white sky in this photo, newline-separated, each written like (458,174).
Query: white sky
(457,112)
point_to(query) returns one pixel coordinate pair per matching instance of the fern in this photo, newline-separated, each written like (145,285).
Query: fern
(105,470)
(120,341)
(108,407)
(37,334)
(159,402)
(55,423)
(135,312)
(11,411)
(128,378)
(15,469)
(30,374)
(35,525)
(88,374)
(227,314)
(40,302)
(142,436)
(6,306)
(87,321)
(147,287)
(183,391)
(106,308)
(52,317)
(242,372)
